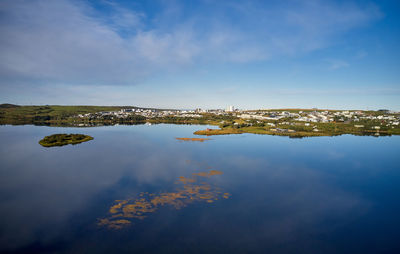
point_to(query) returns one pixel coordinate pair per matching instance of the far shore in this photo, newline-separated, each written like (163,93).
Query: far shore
(283,132)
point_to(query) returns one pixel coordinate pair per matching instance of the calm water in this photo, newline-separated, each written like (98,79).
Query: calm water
(137,189)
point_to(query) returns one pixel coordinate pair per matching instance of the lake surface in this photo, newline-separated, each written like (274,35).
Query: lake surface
(136,189)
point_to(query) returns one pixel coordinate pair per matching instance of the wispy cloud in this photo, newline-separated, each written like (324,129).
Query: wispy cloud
(361,54)
(335,64)
(73,42)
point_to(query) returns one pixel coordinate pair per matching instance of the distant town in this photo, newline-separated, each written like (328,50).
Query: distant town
(284,122)
(386,117)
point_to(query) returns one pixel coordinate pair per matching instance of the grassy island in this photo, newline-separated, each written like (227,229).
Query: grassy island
(255,130)
(64,139)
(296,132)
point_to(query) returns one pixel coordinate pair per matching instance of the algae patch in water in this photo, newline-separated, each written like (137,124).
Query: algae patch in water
(190,190)
(193,139)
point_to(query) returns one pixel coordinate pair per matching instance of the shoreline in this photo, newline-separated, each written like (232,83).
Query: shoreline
(295,134)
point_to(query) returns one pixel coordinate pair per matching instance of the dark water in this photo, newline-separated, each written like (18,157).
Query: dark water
(136,189)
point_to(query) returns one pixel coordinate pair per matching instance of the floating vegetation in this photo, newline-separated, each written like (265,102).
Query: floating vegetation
(190,190)
(193,139)
(211,173)
(64,139)
(198,164)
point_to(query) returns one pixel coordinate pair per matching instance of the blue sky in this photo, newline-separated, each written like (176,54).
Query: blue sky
(208,54)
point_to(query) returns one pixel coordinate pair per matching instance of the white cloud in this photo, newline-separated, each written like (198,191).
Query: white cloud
(72,42)
(335,64)
(361,54)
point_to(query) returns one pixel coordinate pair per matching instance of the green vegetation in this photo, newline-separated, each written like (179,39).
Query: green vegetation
(14,114)
(257,130)
(224,131)
(283,122)
(295,129)
(207,118)
(64,139)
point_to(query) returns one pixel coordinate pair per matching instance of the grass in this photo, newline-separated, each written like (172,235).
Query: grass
(297,133)
(64,139)
(224,131)
(257,130)
(63,116)
(14,114)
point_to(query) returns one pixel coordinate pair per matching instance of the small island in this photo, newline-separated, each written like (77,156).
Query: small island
(193,139)
(64,139)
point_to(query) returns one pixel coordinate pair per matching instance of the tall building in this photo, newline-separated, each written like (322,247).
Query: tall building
(230,109)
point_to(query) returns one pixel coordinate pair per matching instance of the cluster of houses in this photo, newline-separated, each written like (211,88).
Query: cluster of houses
(151,113)
(289,118)
(321,116)
(313,116)
(124,113)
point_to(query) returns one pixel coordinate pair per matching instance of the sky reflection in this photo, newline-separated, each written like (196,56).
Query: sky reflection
(277,194)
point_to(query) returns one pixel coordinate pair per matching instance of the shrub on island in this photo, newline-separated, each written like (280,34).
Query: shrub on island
(64,139)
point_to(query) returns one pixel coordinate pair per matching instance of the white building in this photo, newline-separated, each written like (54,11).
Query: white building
(230,109)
